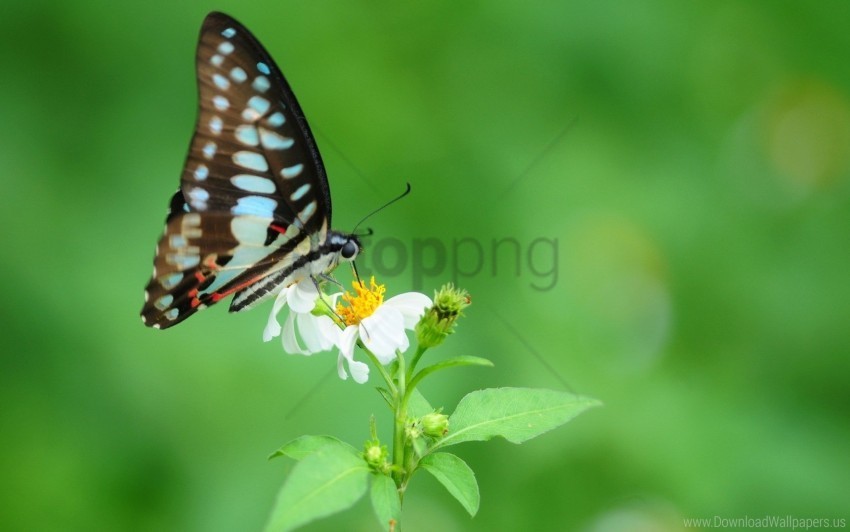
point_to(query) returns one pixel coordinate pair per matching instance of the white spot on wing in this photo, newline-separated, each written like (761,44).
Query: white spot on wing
(307,212)
(291,171)
(177,241)
(164,302)
(183,261)
(221,82)
(209,149)
(257,107)
(172,314)
(198,198)
(221,103)
(247,135)
(261,84)
(170,281)
(264,68)
(238,75)
(276,119)
(253,183)
(251,160)
(201,172)
(302,190)
(228,33)
(225,48)
(255,205)
(274,141)
(216,60)
(216,124)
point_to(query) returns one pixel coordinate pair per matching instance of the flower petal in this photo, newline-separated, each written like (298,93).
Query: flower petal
(383,332)
(318,332)
(412,306)
(302,295)
(359,370)
(272,329)
(290,342)
(346,341)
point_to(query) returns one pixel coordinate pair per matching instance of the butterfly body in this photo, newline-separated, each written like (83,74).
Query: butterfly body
(253,211)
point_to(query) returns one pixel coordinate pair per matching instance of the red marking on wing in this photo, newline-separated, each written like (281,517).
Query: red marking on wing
(218,296)
(210,263)
(279,228)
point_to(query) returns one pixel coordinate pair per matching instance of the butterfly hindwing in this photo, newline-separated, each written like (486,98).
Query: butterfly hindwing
(253,195)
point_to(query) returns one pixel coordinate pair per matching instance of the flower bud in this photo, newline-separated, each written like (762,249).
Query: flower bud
(376,455)
(435,424)
(439,320)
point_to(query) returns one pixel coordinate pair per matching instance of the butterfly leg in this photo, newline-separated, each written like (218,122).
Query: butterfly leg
(322,295)
(330,279)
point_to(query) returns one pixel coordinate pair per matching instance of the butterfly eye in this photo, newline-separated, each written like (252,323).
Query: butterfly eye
(349,250)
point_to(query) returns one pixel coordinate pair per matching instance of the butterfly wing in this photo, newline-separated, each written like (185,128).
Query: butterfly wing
(253,194)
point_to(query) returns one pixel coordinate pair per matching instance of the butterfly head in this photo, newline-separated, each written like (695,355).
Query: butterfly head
(347,246)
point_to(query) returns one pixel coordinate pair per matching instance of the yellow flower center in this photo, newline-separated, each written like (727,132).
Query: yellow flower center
(363,303)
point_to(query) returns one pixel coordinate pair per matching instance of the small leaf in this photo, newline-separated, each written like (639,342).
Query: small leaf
(450,363)
(420,447)
(388,397)
(323,483)
(417,405)
(456,476)
(385,502)
(305,445)
(516,414)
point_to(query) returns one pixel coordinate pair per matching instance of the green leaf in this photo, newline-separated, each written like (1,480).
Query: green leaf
(450,363)
(327,481)
(305,445)
(385,501)
(388,397)
(456,476)
(516,414)
(417,405)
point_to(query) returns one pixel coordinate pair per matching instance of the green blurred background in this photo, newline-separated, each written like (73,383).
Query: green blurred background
(690,159)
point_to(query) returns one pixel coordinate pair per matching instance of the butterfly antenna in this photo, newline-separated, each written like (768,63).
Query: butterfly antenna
(382,207)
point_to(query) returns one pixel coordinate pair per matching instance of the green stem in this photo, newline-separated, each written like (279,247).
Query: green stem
(386,376)
(415,360)
(399,442)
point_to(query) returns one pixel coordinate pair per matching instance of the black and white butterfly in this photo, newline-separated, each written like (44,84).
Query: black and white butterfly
(253,211)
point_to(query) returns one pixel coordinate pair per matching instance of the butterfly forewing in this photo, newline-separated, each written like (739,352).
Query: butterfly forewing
(253,194)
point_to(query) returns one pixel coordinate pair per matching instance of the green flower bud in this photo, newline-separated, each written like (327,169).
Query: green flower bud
(435,424)
(412,430)
(439,320)
(376,455)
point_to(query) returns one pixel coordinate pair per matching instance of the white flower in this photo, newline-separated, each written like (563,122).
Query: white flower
(380,325)
(319,333)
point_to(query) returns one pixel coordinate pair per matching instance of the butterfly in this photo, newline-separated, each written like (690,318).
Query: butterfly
(253,211)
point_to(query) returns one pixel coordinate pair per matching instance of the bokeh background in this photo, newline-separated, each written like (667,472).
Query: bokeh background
(690,160)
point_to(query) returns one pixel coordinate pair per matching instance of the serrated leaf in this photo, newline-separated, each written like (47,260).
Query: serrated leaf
(417,405)
(385,502)
(516,414)
(456,476)
(305,445)
(326,481)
